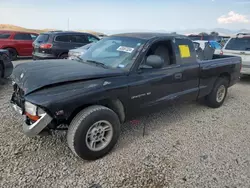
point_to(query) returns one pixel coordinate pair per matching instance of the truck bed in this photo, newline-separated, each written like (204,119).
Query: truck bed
(220,64)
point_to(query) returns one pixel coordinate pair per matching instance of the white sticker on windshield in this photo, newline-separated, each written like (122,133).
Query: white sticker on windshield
(125,49)
(121,66)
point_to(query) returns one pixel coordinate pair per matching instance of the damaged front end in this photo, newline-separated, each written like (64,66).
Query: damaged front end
(36,119)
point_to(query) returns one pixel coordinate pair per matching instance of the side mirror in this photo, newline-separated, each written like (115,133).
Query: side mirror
(154,61)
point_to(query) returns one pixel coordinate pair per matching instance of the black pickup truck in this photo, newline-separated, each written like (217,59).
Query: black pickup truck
(115,79)
(6,66)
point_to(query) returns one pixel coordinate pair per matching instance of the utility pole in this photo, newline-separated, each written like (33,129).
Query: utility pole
(68,24)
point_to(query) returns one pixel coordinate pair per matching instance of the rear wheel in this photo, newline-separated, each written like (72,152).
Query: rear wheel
(64,56)
(93,132)
(13,53)
(216,98)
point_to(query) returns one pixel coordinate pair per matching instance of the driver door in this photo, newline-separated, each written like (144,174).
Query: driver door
(152,86)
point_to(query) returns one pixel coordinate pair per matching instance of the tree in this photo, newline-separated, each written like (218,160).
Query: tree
(214,33)
(203,34)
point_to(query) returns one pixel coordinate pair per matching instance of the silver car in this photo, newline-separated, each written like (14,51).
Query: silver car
(240,46)
(74,53)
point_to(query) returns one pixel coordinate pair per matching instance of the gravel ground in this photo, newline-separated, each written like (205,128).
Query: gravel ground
(189,145)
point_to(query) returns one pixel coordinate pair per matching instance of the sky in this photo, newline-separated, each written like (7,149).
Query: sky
(126,14)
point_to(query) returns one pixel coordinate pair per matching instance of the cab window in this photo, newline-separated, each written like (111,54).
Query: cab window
(184,51)
(164,49)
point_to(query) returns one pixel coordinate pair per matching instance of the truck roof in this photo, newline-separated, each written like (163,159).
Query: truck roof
(147,36)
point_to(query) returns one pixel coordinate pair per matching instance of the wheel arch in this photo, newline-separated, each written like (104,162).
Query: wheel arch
(63,53)
(11,47)
(114,104)
(225,75)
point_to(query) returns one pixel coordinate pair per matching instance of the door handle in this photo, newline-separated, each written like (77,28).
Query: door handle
(178,76)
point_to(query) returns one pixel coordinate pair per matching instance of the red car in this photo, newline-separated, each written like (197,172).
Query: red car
(18,43)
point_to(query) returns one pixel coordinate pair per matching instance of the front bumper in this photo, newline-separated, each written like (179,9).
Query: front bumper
(35,128)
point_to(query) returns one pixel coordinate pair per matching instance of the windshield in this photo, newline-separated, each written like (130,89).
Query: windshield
(114,52)
(241,44)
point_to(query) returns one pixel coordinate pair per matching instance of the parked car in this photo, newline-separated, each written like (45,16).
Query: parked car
(220,39)
(78,52)
(17,43)
(6,66)
(223,39)
(56,45)
(201,37)
(117,78)
(215,45)
(239,45)
(101,36)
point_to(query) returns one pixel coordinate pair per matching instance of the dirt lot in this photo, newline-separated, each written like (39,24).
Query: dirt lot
(189,145)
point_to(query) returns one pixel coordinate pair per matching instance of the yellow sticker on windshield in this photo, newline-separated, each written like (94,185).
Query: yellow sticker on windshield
(184,51)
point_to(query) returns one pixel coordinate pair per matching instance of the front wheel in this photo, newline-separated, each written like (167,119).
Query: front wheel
(216,98)
(93,132)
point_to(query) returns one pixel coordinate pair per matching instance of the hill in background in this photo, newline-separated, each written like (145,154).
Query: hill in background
(18,28)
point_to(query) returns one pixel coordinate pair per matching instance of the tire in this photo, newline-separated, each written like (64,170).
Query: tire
(13,53)
(220,85)
(64,56)
(81,124)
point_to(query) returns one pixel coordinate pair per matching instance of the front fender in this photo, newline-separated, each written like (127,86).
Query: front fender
(61,101)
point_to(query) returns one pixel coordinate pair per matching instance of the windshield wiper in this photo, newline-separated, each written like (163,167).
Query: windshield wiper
(97,63)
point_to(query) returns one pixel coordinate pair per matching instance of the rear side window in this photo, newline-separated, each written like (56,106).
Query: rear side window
(22,36)
(185,52)
(42,38)
(78,39)
(240,44)
(4,35)
(63,38)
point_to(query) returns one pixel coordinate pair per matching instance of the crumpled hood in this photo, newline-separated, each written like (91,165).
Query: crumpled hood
(37,74)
